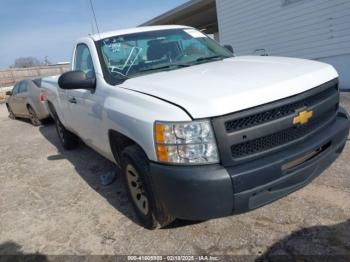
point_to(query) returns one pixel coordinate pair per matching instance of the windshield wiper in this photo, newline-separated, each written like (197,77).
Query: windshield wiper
(170,66)
(208,58)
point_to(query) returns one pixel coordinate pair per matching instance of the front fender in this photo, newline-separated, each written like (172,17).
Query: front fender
(133,114)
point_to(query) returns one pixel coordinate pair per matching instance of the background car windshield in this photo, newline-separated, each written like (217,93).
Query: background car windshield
(141,53)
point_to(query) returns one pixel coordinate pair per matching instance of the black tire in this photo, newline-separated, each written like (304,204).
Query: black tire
(68,139)
(135,161)
(33,117)
(11,114)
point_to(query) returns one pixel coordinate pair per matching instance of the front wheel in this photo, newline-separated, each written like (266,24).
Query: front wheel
(68,139)
(11,114)
(136,176)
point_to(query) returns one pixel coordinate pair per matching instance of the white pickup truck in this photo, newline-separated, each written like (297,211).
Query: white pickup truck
(197,132)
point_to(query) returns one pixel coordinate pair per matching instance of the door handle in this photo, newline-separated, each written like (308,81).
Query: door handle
(72,100)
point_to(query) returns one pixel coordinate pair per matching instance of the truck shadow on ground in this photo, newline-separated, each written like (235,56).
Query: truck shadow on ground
(318,243)
(11,251)
(91,166)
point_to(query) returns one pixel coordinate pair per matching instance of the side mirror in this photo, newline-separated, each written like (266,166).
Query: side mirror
(76,80)
(9,93)
(229,48)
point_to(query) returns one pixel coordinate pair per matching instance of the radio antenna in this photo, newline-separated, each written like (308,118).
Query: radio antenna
(93,13)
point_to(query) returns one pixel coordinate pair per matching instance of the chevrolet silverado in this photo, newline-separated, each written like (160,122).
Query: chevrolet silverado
(197,132)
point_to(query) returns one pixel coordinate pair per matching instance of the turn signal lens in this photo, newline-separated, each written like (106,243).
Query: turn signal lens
(159,133)
(162,153)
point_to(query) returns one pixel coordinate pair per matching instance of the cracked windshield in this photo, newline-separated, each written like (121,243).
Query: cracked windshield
(141,53)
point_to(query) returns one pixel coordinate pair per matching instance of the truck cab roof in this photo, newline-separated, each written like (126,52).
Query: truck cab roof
(103,35)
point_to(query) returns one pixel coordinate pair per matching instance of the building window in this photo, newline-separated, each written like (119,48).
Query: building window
(290,2)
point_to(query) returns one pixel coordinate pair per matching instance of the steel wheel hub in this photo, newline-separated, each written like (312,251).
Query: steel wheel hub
(136,189)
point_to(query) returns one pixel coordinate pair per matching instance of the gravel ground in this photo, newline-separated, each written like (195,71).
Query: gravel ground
(52,203)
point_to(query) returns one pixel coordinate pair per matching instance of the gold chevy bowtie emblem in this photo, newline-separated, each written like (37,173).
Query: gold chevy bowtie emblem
(303,117)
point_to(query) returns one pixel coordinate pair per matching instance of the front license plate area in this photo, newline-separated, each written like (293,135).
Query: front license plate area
(301,160)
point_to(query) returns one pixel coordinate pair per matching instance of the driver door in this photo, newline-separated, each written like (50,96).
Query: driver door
(78,100)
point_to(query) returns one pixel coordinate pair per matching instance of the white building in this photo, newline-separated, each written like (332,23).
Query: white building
(312,29)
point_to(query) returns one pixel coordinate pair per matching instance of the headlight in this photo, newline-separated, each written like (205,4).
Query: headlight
(186,142)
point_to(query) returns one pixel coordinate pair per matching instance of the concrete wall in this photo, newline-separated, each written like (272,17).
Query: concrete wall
(10,76)
(312,29)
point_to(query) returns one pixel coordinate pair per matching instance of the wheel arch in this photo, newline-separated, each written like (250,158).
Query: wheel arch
(29,104)
(51,109)
(118,142)
(9,109)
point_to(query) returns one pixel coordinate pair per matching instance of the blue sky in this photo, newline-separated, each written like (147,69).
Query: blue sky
(42,28)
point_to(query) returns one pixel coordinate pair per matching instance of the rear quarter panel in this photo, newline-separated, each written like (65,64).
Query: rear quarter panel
(34,100)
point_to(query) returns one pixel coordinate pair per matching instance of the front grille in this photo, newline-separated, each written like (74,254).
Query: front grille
(280,138)
(267,129)
(276,113)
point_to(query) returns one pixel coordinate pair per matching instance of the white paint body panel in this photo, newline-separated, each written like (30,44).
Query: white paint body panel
(222,87)
(204,91)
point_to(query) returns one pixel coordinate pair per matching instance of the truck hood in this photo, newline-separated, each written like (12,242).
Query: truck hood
(233,84)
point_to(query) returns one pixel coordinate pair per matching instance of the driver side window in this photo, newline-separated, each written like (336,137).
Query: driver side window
(83,61)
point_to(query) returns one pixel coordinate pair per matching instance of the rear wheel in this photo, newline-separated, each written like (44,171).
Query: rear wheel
(11,114)
(136,176)
(33,117)
(67,138)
